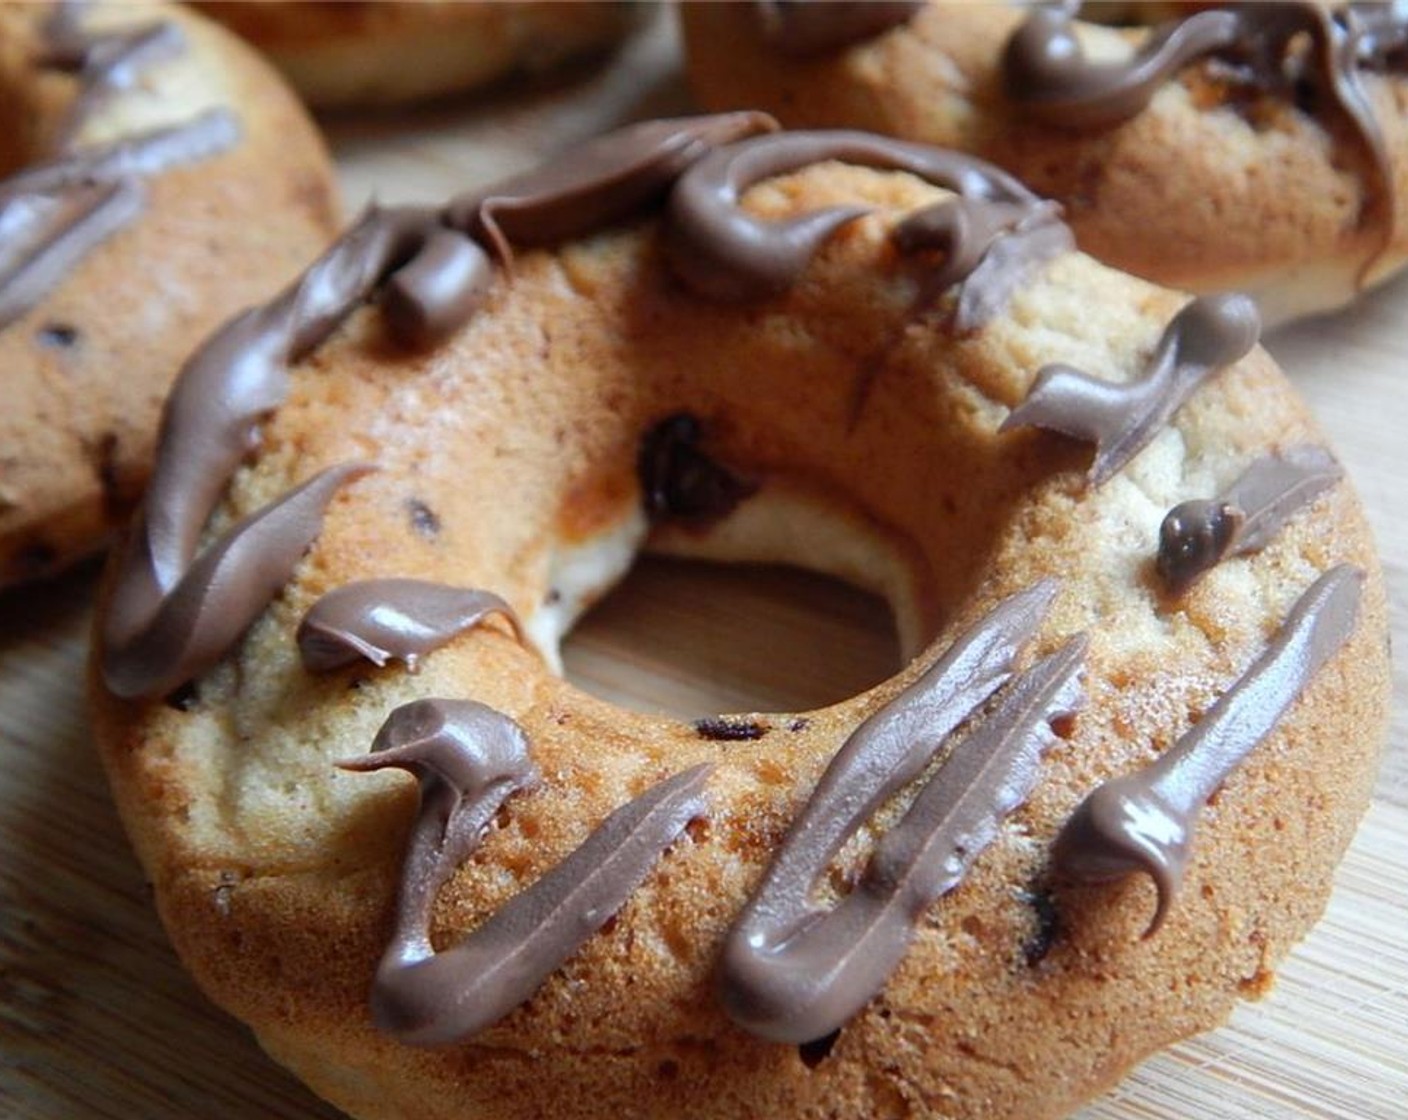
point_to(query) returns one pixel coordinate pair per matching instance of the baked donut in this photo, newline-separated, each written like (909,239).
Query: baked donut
(1252,147)
(364,53)
(135,147)
(705,336)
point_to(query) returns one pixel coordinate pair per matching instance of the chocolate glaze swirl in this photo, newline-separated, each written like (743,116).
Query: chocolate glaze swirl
(53,214)
(1120,419)
(792,974)
(1145,821)
(469,759)
(377,620)
(1195,536)
(725,253)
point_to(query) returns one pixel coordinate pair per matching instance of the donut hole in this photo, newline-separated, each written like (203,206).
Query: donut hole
(666,640)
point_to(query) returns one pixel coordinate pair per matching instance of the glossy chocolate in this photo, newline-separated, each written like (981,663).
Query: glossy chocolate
(469,759)
(227,588)
(55,213)
(1121,418)
(598,182)
(1048,74)
(43,236)
(725,253)
(792,972)
(378,620)
(809,29)
(1197,535)
(990,247)
(1145,821)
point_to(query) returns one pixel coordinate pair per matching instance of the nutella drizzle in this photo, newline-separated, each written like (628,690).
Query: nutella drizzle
(1144,821)
(1197,535)
(807,29)
(469,759)
(55,213)
(597,183)
(727,254)
(1209,333)
(989,248)
(1048,75)
(377,620)
(792,973)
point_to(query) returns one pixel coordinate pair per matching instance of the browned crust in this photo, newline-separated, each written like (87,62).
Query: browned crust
(275,873)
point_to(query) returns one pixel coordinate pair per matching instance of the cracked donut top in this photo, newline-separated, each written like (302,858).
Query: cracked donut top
(790,970)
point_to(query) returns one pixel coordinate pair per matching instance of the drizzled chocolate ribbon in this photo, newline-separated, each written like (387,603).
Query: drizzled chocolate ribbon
(54,214)
(725,253)
(1144,822)
(469,759)
(377,620)
(1195,536)
(1121,418)
(792,973)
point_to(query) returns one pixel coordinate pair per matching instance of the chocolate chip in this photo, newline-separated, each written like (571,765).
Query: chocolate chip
(801,723)
(1048,926)
(678,480)
(58,335)
(423,519)
(719,729)
(818,1050)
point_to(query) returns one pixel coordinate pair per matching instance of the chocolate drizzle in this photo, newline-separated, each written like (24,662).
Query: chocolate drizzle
(792,973)
(1272,46)
(597,183)
(1120,419)
(1144,821)
(1050,77)
(1197,535)
(469,759)
(989,248)
(725,253)
(806,29)
(379,619)
(53,214)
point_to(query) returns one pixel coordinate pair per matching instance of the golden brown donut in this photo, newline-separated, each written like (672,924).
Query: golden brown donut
(155,177)
(1145,700)
(1176,154)
(362,53)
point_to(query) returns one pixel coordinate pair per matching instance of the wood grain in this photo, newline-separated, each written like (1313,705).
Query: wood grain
(97,1019)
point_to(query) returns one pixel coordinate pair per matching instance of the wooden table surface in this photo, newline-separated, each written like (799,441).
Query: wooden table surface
(98,1020)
